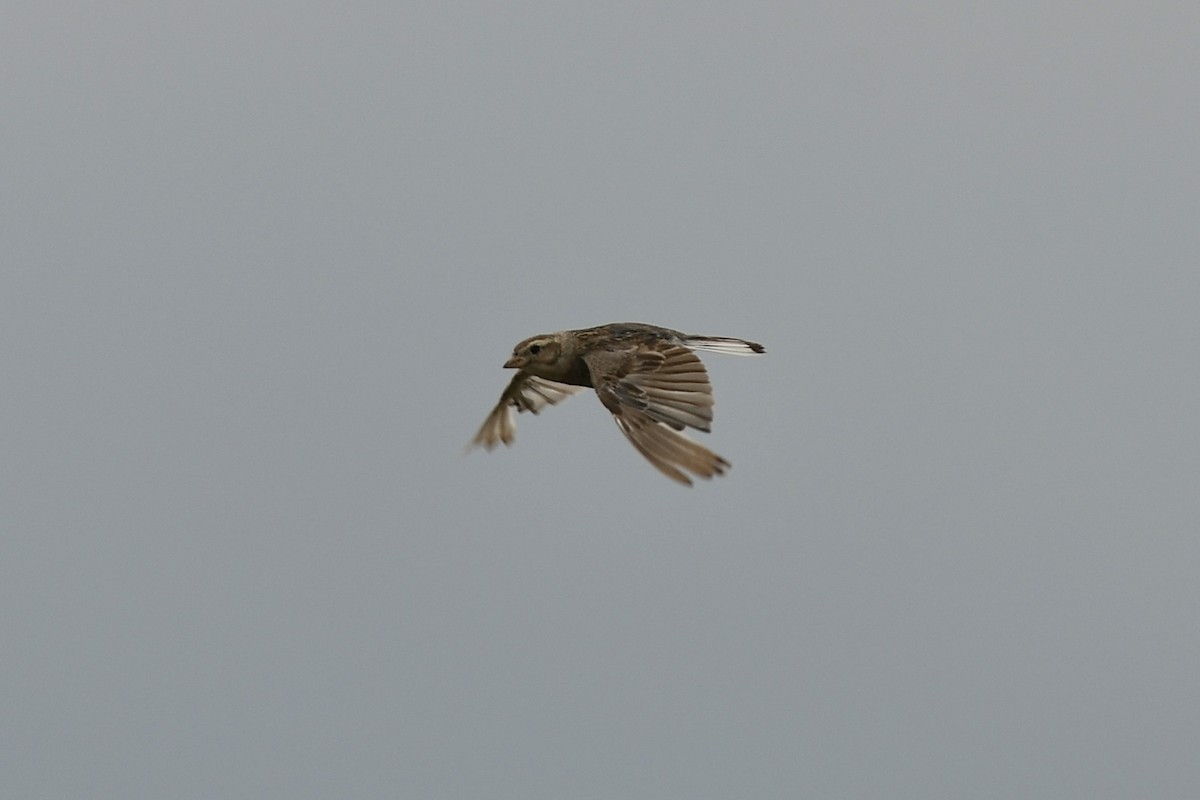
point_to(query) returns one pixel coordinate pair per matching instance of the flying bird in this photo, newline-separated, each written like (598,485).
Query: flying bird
(646,376)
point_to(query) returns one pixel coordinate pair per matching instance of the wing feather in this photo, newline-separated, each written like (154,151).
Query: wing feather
(654,391)
(524,393)
(668,451)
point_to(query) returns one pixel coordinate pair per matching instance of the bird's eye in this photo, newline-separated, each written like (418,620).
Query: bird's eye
(534,349)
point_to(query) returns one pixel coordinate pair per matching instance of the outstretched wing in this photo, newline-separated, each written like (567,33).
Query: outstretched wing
(524,393)
(654,391)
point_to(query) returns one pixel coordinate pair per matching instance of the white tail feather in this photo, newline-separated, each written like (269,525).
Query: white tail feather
(722,344)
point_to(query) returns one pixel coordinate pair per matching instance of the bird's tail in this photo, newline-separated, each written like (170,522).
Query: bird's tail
(725,344)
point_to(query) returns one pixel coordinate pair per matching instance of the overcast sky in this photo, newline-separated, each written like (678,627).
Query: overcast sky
(263,261)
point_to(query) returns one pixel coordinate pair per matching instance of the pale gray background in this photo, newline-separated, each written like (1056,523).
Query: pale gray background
(262,263)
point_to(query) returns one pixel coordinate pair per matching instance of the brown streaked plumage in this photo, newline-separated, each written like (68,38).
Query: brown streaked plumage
(646,376)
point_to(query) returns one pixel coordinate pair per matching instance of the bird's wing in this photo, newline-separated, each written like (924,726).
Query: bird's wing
(524,393)
(654,391)
(666,382)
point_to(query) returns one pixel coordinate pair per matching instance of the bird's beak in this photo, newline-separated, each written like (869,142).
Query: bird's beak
(516,362)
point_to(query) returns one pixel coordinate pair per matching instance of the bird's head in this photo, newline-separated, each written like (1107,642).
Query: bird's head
(537,355)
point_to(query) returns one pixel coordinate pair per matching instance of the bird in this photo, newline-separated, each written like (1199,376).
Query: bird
(647,377)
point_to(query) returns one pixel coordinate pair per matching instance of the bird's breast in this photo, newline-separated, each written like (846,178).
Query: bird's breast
(577,374)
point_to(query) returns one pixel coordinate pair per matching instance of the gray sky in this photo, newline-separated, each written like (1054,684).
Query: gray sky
(263,261)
